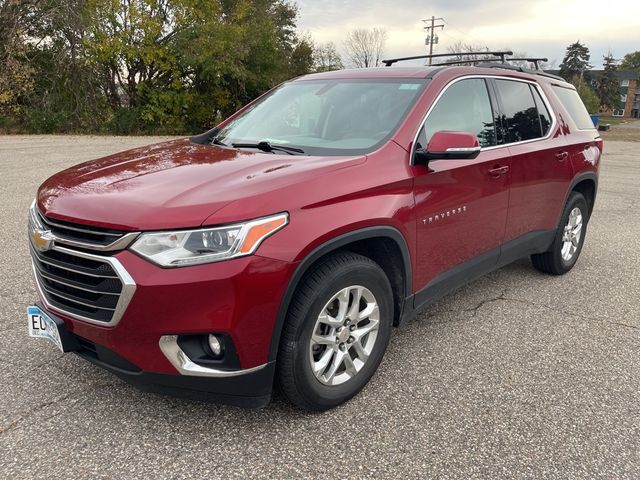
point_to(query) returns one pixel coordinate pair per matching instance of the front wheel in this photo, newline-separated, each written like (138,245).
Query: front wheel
(336,332)
(567,244)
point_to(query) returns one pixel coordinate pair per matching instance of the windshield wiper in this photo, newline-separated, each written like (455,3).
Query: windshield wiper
(217,141)
(270,147)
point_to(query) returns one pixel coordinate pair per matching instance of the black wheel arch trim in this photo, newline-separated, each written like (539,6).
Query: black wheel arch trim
(329,246)
(580,177)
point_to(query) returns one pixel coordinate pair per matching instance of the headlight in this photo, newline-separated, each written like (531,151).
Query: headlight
(192,247)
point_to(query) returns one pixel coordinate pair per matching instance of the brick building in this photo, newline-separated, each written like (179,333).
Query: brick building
(629,105)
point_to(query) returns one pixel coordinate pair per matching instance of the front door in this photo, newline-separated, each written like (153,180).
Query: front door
(461,204)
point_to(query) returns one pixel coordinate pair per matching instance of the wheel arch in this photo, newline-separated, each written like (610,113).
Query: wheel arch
(356,241)
(587,185)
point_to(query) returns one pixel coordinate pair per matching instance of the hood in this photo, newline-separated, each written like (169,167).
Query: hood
(177,184)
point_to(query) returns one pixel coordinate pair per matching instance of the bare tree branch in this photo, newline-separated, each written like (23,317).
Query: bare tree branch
(365,47)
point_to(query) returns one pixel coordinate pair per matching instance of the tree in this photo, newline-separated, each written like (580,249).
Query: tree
(301,60)
(16,75)
(588,96)
(608,86)
(143,65)
(68,93)
(365,47)
(576,61)
(631,61)
(461,47)
(326,58)
(233,55)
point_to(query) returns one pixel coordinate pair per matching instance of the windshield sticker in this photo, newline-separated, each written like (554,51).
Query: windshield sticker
(409,86)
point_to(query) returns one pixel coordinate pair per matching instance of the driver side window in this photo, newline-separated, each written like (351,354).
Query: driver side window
(463,107)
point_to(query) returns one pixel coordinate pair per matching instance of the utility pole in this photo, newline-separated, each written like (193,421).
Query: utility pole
(431,29)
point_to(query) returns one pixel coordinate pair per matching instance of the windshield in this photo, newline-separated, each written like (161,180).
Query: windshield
(326,117)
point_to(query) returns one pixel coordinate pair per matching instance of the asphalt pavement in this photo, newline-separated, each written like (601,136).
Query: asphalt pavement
(517,375)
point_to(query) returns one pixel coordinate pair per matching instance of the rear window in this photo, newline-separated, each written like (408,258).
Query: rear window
(572,103)
(521,121)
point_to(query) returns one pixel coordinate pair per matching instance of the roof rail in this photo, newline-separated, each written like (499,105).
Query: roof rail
(516,68)
(501,55)
(479,60)
(465,62)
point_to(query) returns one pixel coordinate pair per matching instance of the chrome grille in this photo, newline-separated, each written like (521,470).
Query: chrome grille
(81,236)
(80,233)
(84,286)
(91,287)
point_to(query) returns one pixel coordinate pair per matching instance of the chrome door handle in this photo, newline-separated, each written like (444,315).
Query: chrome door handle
(562,156)
(497,171)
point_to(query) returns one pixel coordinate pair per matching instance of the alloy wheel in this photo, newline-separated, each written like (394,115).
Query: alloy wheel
(571,235)
(344,335)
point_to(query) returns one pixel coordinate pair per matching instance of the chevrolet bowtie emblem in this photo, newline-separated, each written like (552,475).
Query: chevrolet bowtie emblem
(42,240)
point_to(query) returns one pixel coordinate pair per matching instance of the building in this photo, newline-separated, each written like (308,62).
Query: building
(629,105)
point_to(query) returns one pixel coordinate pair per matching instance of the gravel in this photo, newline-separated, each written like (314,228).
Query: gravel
(517,375)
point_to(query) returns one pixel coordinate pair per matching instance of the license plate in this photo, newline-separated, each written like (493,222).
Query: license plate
(42,325)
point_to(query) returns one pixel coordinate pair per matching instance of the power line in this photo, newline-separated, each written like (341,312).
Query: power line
(431,29)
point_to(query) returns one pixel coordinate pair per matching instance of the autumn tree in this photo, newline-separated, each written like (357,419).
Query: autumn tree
(127,66)
(16,74)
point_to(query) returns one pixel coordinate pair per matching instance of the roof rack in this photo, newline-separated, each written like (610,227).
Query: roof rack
(516,68)
(487,60)
(502,55)
(531,60)
(484,62)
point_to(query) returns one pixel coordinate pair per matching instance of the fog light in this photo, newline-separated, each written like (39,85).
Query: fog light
(215,345)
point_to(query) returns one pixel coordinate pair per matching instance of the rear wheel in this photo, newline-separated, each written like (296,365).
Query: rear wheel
(336,332)
(569,239)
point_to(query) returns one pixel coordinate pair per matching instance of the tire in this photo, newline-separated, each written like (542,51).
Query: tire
(338,279)
(559,259)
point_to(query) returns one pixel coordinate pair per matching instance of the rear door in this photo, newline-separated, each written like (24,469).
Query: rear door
(540,168)
(461,204)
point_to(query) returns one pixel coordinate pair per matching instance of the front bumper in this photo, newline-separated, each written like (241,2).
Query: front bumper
(245,388)
(237,298)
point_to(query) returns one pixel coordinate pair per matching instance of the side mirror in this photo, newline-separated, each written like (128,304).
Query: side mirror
(449,146)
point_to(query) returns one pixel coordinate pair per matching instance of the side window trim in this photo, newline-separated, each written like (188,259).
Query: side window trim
(497,112)
(535,104)
(494,109)
(538,99)
(489,80)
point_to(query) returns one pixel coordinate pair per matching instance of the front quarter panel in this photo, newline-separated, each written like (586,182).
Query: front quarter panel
(378,192)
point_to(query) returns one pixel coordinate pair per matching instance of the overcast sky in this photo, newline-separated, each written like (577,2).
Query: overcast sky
(538,27)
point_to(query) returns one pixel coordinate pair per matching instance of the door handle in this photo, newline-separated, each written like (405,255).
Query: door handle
(497,171)
(562,156)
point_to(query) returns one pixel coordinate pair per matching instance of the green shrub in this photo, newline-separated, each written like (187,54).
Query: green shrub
(125,121)
(45,121)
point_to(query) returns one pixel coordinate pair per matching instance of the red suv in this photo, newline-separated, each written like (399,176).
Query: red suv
(281,247)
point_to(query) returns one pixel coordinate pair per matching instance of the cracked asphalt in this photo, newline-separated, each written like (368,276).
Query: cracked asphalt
(517,375)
